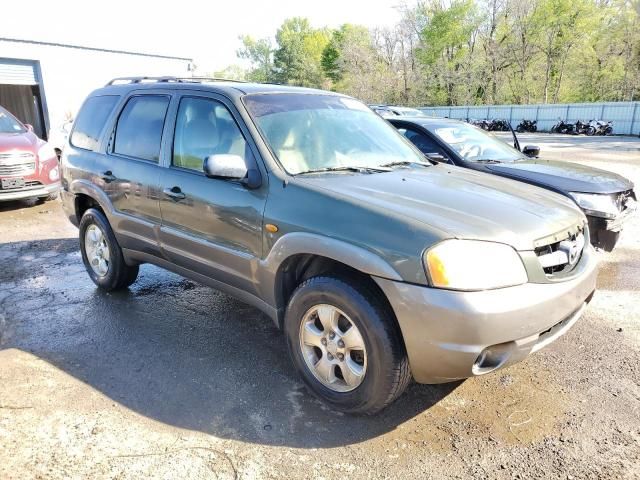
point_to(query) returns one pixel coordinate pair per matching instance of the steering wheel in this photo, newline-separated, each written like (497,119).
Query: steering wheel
(471,151)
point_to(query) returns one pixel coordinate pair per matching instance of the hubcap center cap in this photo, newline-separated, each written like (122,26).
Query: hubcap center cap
(332,347)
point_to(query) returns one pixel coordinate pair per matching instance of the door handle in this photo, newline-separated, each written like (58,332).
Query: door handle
(108,176)
(174,193)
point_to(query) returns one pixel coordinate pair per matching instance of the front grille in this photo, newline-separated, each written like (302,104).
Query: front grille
(17,164)
(562,256)
(21,169)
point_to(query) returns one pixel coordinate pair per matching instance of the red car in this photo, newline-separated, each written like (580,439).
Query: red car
(28,165)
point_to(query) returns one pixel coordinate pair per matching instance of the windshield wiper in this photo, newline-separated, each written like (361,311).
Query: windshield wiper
(346,169)
(486,160)
(404,162)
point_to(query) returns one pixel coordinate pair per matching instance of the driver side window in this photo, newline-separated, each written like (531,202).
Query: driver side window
(204,127)
(425,144)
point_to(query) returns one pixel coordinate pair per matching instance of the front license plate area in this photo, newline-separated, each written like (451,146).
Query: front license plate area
(11,183)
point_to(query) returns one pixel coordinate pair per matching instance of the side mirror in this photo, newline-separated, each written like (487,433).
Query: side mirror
(436,157)
(29,127)
(531,151)
(225,165)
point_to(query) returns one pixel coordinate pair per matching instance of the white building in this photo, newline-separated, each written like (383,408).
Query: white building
(44,84)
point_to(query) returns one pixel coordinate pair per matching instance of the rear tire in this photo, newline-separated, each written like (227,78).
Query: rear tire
(382,361)
(101,254)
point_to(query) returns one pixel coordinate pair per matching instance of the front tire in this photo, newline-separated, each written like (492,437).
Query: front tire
(101,254)
(346,345)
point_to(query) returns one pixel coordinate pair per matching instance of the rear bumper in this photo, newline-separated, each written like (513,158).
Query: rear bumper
(452,335)
(30,192)
(69,206)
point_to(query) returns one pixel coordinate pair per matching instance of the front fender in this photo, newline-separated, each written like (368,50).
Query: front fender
(313,244)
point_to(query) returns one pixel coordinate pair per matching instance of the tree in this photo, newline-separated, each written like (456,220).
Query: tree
(297,59)
(351,61)
(231,72)
(447,40)
(561,25)
(461,52)
(260,56)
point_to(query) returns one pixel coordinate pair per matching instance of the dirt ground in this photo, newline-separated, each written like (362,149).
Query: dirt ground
(174,380)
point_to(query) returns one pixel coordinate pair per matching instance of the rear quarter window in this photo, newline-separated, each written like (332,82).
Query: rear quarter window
(90,121)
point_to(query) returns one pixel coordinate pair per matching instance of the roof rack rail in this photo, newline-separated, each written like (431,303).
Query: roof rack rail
(125,80)
(168,79)
(209,79)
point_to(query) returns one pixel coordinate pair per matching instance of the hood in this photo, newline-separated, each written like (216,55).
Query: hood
(24,141)
(564,176)
(460,203)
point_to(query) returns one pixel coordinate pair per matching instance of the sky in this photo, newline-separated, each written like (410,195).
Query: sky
(205,31)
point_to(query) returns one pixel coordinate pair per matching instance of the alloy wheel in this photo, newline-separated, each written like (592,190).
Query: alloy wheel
(97,250)
(333,348)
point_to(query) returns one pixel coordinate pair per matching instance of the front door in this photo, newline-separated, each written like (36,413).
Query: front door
(210,226)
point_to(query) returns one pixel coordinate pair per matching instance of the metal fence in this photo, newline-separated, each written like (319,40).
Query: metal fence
(625,115)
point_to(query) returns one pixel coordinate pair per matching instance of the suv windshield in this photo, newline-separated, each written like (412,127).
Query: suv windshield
(8,124)
(474,145)
(325,132)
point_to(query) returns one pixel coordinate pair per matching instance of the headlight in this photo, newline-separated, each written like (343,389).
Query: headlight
(46,152)
(473,265)
(596,205)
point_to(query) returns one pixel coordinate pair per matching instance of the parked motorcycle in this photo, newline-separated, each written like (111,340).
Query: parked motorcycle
(499,125)
(581,128)
(562,127)
(604,128)
(483,124)
(527,126)
(591,128)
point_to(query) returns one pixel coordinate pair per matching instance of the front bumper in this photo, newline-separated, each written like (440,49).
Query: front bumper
(451,335)
(605,233)
(29,192)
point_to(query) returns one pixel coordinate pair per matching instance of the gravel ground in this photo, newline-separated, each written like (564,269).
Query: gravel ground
(174,380)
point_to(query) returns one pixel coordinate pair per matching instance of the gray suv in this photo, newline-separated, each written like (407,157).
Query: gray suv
(379,265)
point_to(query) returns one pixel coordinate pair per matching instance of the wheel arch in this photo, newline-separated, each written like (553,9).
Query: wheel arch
(87,195)
(296,257)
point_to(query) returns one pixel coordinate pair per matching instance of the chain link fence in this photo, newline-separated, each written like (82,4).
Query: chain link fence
(625,115)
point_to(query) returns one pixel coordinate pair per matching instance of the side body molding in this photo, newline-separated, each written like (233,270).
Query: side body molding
(309,243)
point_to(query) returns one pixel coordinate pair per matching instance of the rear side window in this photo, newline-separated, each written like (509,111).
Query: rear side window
(91,120)
(139,129)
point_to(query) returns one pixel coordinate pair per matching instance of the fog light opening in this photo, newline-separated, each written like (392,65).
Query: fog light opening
(491,358)
(54,174)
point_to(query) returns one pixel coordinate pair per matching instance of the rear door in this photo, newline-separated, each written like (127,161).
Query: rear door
(211,226)
(130,171)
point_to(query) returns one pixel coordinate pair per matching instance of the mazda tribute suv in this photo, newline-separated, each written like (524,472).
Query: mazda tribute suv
(379,265)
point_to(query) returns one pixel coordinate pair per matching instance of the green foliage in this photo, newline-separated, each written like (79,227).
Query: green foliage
(259,53)
(465,52)
(299,53)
